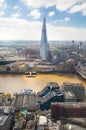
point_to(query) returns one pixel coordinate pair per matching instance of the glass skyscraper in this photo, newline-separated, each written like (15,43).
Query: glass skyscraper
(44,51)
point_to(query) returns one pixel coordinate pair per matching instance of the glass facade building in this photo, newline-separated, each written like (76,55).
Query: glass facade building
(44,52)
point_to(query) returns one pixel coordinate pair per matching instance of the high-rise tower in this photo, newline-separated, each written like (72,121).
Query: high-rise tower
(44,52)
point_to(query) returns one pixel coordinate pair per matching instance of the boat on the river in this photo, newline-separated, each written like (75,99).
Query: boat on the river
(30,74)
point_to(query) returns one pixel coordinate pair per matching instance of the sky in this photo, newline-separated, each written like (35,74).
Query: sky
(23,19)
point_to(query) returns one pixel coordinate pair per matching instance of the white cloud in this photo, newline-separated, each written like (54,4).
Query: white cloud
(16,15)
(3,7)
(63,5)
(2,1)
(18,23)
(79,8)
(2,4)
(66,19)
(71,6)
(16,7)
(51,13)
(60,4)
(84,12)
(2,13)
(39,3)
(16,28)
(66,33)
(35,13)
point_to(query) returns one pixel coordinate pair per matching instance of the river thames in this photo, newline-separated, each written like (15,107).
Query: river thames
(16,83)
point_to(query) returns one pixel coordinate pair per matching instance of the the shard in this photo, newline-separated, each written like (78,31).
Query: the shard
(44,52)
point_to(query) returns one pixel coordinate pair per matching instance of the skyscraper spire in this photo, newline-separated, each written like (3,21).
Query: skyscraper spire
(44,45)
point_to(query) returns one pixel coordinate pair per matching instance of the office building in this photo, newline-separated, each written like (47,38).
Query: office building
(44,52)
(76,88)
(68,109)
(6,117)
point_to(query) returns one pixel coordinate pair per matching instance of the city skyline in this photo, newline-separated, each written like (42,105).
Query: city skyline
(22,19)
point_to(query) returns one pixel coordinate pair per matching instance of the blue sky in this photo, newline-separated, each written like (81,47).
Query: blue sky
(22,19)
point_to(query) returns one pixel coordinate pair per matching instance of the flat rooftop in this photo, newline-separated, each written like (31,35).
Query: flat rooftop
(3,119)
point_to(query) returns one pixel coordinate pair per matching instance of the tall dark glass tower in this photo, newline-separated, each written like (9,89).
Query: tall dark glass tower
(44,52)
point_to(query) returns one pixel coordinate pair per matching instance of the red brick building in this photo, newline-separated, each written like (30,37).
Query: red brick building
(64,110)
